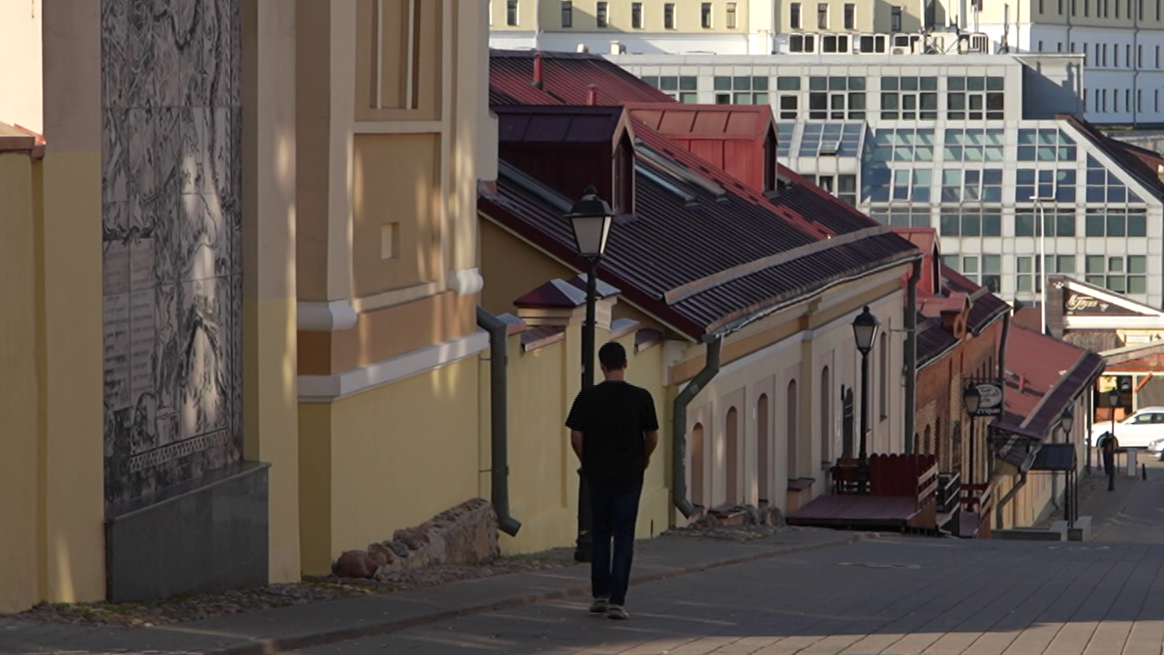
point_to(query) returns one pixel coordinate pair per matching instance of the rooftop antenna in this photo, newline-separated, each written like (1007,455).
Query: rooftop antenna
(1004,46)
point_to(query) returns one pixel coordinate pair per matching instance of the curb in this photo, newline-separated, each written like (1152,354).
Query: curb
(296,642)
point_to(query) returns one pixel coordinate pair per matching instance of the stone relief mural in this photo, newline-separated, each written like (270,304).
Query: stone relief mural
(172,242)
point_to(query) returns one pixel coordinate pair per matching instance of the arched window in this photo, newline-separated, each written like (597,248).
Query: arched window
(792,429)
(732,463)
(826,417)
(884,347)
(927,442)
(763,450)
(698,486)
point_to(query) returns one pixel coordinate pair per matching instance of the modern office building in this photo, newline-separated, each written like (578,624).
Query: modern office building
(976,145)
(1122,41)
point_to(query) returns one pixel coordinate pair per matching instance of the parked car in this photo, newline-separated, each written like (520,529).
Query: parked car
(1157,449)
(1140,430)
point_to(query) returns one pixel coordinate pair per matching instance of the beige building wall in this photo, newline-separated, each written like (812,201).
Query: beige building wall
(876,16)
(386,265)
(20,552)
(71,451)
(50,335)
(21,102)
(270,422)
(687,16)
(779,363)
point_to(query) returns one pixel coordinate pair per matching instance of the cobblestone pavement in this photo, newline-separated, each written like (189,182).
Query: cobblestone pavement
(898,596)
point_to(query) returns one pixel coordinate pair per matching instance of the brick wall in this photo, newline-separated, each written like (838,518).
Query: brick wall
(942,427)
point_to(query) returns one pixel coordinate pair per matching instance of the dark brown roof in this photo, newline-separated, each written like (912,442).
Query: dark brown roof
(663,257)
(987,307)
(558,124)
(702,250)
(1123,153)
(933,340)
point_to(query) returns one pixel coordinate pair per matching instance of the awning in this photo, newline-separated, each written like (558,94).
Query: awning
(1055,457)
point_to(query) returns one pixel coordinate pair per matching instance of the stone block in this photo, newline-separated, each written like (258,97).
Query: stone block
(465,534)
(1081,531)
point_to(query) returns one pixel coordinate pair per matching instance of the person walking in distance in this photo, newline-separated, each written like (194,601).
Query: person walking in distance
(613,430)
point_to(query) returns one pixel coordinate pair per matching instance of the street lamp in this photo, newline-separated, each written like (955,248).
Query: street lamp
(1067,422)
(1071,503)
(591,218)
(971,398)
(864,331)
(1113,399)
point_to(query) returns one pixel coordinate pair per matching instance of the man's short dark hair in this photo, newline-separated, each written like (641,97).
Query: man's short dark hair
(612,355)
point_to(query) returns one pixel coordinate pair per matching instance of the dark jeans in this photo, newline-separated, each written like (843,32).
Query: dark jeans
(614,507)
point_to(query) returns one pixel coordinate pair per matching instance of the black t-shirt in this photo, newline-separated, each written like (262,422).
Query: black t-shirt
(612,417)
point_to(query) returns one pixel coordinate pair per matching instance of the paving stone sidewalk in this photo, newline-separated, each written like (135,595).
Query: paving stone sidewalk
(290,628)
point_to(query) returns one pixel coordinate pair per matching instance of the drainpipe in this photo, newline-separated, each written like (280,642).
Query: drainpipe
(911,357)
(499,418)
(679,425)
(1006,499)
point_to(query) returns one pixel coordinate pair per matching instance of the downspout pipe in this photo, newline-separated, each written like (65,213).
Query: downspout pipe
(499,418)
(679,425)
(1006,499)
(911,357)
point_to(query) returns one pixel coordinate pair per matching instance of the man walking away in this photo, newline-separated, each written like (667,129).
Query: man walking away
(613,430)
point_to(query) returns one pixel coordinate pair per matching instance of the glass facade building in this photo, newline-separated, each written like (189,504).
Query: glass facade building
(946,142)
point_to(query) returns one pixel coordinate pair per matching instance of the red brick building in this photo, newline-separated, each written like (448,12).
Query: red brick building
(961,328)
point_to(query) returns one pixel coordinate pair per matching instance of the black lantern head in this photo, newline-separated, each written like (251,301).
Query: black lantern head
(865,330)
(1068,421)
(970,398)
(591,218)
(1113,397)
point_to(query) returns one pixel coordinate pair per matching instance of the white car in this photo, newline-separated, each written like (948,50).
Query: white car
(1140,430)
(1157,448)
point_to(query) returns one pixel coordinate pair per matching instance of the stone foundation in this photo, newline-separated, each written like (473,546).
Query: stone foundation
(465,534)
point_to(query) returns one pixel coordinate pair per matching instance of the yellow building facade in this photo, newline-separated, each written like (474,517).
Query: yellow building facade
(314,265)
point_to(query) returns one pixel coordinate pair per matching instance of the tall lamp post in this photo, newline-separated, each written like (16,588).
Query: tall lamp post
(971,398)
(864,331)
(1069,507)
(1113,399)
(591,218)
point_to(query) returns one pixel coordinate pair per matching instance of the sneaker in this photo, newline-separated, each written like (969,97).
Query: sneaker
(599,606)
(617,613)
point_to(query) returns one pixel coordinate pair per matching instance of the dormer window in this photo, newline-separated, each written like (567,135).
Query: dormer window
(771,166)
(623,197)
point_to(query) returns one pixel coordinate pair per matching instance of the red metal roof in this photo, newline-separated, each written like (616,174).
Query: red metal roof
(740,122)
(926,240)
(1045,376)
(565,77)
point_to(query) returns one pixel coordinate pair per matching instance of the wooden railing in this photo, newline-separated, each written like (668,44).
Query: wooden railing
(977,498)
(890,475)
(949,492)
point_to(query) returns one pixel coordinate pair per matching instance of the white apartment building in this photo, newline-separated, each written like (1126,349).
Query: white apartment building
(978,146)
(1122,41)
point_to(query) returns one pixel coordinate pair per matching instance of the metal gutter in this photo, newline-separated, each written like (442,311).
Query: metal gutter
(499,418)
(679,424)
(911,357)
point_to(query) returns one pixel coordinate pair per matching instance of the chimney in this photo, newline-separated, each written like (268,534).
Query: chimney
(537,78)
(591,94)
(1022,383)
(1160,172)
(583,48)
